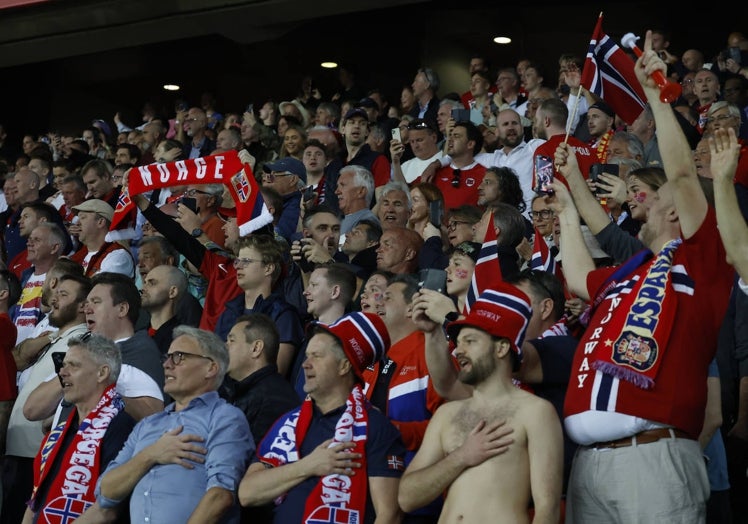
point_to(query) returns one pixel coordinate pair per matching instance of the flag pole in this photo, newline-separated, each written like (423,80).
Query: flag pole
(573,114)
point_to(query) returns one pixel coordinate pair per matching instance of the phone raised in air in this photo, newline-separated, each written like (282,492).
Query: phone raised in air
(436,213)
(597,169)
(435,279)
(189,203)
(396,134)
(543,175)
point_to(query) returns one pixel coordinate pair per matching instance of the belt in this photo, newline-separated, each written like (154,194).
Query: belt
(643,437)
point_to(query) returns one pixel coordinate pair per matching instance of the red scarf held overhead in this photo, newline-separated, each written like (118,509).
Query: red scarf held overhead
(71,491)
(225,168)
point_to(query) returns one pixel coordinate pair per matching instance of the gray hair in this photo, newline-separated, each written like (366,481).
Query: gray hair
(454,104)
(396,185)
(211,344)
(362,177)
(732,109)
(166,247)
(332,108)
(510,222)
(634,145)
(103,351)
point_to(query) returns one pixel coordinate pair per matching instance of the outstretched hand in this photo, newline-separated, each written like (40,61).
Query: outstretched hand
(725,150)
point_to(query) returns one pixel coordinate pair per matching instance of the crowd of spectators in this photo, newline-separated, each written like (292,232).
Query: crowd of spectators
(276,344)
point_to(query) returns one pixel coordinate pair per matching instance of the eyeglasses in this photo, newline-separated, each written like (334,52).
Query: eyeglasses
(545,214)
(241,263)
(456,174)
(452,225)
(720,118)
(270,177)
(193,192)
(177,357)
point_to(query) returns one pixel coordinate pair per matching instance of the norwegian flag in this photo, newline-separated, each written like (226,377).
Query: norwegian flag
(65,509)
(487,272)
(609,73)
(333,515)
(542,259)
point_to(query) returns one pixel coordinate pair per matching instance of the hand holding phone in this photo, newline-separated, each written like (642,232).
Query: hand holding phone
(434,279)
(597,169)
(189,203)
(396,134)
(436,213)
(543,175)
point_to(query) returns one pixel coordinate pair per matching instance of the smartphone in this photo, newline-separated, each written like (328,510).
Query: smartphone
(57,358)
(597,169)
(250,108)
(431,278)
(308,194)
(396,135)
(182,106)
(734,53)
(189,203)
(543,174)
(436,213)
(461,115)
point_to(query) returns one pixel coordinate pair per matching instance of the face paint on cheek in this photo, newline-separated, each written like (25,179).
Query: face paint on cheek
(640,197)
(462,273)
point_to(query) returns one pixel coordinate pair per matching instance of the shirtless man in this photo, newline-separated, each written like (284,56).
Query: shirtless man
(467,451)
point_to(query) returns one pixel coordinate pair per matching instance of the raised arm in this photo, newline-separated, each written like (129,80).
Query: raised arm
(577,262)
(586,203)
(677,159)
(429,310)
(725,151)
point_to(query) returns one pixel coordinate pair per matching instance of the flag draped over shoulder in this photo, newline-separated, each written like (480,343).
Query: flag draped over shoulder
(487,272)
(609,73)
(225,168)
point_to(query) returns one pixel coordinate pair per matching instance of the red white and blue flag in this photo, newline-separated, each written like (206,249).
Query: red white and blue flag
(542,258)
(609,73)
(224,168)
(487,272)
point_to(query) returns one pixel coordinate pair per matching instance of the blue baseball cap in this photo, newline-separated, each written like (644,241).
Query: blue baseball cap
(287,165)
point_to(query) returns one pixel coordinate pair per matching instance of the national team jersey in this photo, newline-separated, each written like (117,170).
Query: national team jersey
(702,286)
(585,156)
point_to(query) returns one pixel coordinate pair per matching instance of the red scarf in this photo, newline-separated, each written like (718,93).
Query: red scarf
(71,491)
(339,498)
(634,341)
(225,168)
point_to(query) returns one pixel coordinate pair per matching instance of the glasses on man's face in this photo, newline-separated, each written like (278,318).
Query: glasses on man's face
(456,175)
(270,177)
(720,119)
(177,357)
(544,214)
(241,263)
(193,192)
(452,224)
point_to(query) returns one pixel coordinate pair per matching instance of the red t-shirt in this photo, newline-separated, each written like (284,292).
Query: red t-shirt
(585,156)
(219,271)
(467,191)
(678,397)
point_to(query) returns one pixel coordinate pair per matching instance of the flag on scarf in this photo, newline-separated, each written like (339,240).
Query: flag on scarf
(542,259)
(487,272)
(225,168)
(609,73)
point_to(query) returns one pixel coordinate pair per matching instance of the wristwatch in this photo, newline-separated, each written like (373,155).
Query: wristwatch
(197,232)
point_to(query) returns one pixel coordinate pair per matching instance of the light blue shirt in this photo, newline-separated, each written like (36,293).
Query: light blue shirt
(169,492)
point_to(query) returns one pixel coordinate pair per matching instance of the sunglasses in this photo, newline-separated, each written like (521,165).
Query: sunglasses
(456,175)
